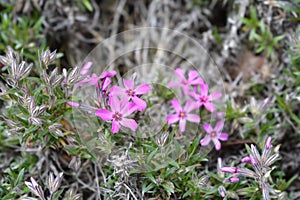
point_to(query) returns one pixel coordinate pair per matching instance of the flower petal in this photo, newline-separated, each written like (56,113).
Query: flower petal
(205,141)
(186,89)
(182,124)
(173,84)
(176,105)
(198,81)
(193,118)
(141,104)
(125,106)
(195,95)
(190,105)
(171,119)
(131,108)
(115,126)
(180,74)
(207,128)
(192,75)
(104,114)
(217,143)
(142,89)
(223,137)
(219,126)
(129,84)
(83,82)
(209,106)
(204,89)
(106,83)
(86,68)
(94,79)
(215,95)
(129,123)
(117,91)
(108,74)
(114,104)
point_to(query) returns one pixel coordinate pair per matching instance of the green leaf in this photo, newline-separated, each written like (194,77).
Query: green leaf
(147,188)
(169,187)
(151,178)
(20,177)
(88,5)
(169,172)
(58,194)
(151,155)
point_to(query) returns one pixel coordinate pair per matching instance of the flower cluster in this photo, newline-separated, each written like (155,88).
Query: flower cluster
(116,103)
(261,165)
(198,95)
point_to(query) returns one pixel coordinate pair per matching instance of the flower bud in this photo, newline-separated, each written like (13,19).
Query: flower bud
(246,159)
(229,169)
(222,191)
(73,104)
(234,179)
(268,143)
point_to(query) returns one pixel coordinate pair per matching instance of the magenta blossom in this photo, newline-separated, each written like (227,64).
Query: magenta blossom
(106,76)
(184,83)
(130,93)
(214,134)
(120,109)
(204,99)
(94,79)
(106,79)
(183,114)
(86,68)
(84,72)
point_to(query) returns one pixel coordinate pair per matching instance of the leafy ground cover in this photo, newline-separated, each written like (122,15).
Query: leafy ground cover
(72,130)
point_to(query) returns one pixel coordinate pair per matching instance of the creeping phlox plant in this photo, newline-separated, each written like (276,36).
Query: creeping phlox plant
(38,106)
(117,103)
(196,99)
(261,165)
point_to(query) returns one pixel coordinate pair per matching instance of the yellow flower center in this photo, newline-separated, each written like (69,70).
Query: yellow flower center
(213,134)
(130,92)
(182,114)
(117,116)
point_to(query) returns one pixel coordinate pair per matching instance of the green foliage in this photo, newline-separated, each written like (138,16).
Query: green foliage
(292,6)
(266,41)
(260,34)
(85,5)
(21,33)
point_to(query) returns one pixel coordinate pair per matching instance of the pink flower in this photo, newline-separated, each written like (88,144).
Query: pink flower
(86,68)
(184,83)
(130,93)
(214,134)
(119,111)
(84,72)
(183,114)
(204,99)
(94,79)
(106,76)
